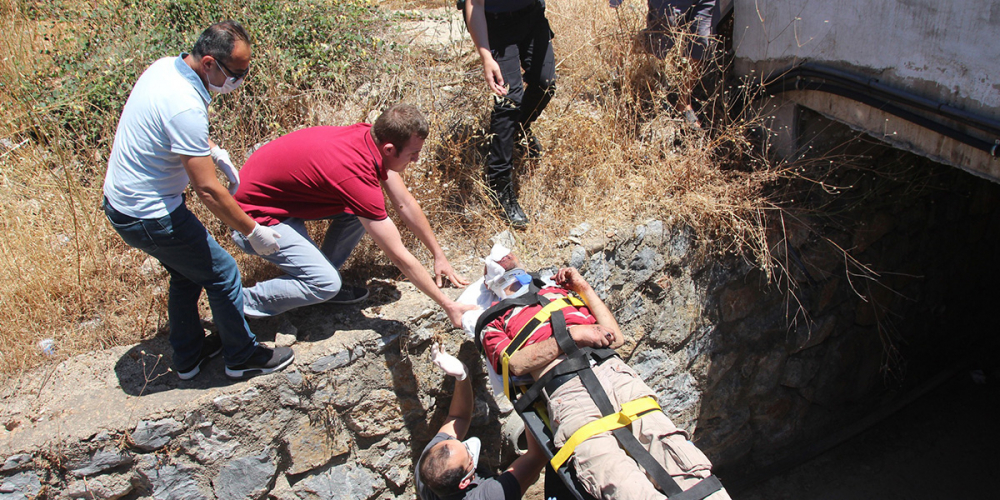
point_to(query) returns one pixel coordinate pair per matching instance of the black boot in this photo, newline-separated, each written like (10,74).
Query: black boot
(511,208)
(526,142)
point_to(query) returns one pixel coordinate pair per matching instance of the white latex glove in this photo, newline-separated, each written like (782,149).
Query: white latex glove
(263,240)
(225,164)
(450,364)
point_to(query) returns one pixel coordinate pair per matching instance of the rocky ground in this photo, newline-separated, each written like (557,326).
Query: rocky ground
(116,422)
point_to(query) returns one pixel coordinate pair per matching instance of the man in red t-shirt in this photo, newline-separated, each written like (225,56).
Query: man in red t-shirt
(603,468)
(338,173)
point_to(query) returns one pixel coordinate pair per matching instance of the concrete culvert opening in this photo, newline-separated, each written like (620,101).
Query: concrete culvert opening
(890,362)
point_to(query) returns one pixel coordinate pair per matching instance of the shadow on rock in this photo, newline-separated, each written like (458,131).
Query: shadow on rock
(143,370)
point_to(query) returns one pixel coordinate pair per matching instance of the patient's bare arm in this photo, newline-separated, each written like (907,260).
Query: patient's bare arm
(570,278)
(532,358)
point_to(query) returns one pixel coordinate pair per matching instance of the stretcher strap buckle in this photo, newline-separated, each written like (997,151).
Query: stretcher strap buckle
(631,411)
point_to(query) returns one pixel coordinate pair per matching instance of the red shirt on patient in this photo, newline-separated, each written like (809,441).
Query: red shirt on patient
(498,334)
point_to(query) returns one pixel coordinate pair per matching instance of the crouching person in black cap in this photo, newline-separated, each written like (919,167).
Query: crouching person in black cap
(447,468)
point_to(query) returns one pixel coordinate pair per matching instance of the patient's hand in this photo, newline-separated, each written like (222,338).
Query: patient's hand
(570,279)
(591,335)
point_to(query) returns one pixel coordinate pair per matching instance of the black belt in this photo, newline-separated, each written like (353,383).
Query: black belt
(558,380)
(512,14)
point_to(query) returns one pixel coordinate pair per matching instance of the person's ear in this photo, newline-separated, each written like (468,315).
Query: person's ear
(388,149)
(465,483)
(207,61)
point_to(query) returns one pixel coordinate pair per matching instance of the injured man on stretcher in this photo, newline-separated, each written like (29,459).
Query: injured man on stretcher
(522,338)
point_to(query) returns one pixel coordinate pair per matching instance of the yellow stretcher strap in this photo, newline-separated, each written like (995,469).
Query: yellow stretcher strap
(538,320)
(631,411)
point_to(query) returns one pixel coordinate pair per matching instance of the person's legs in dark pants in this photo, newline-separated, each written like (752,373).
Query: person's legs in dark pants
(539,63)
(186,333)
(691,19)
(504,123)
(517,43)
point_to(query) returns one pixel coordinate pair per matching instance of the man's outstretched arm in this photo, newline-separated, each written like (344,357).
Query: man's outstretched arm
(413,216)
(387,238)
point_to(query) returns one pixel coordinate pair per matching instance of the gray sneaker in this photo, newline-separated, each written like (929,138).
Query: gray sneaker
(349,295)
(263,360)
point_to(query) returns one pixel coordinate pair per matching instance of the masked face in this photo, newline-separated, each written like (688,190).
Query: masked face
(230,84)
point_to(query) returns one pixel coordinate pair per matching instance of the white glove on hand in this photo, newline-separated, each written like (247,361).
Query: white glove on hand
(450,364)
(225,164)
(263,240)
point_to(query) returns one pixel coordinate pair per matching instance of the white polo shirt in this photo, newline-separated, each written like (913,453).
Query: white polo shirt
(166,116)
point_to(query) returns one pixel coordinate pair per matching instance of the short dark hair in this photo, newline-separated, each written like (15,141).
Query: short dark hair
(219,39)
(398,123)
(436,476)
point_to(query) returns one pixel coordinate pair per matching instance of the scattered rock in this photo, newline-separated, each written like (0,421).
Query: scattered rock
(149,436)
(173,482)
(284,339)
(288,397)
(393,462)
(331,362)
(578,257)
(580,230)
(245,478)
(207,444)
(504,238)
(100,461)
(282,490)
(312,445)
(109,487)
(798,372)
(376,415)
(21,486)
(737,303)
(15,462)
(227,404)
(343,482)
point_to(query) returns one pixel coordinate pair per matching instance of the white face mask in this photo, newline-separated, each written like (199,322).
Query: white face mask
(228,86)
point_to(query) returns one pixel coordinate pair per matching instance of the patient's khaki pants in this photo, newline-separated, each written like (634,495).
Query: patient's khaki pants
(603,468)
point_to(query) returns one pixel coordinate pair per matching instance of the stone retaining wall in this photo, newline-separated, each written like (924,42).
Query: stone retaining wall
(753,370)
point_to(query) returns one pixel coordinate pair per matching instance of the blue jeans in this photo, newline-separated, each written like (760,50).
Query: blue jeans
(195,261)
(311,272)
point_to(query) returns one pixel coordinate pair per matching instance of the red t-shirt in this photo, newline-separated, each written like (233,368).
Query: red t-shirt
(499,332)
(314,173)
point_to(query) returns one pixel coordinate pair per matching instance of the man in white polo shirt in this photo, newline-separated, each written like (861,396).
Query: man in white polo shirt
(161,146)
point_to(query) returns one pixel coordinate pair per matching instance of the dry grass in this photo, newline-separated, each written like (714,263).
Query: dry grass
(615,155)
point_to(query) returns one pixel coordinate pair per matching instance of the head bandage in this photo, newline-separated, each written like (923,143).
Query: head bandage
(497,279)
(494,271)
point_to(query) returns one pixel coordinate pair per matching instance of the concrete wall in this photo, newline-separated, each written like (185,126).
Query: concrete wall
(945,51)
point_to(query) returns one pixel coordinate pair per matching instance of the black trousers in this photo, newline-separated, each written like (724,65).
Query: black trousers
(516,42)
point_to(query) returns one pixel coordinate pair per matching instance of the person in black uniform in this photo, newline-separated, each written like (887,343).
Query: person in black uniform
(511,35)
